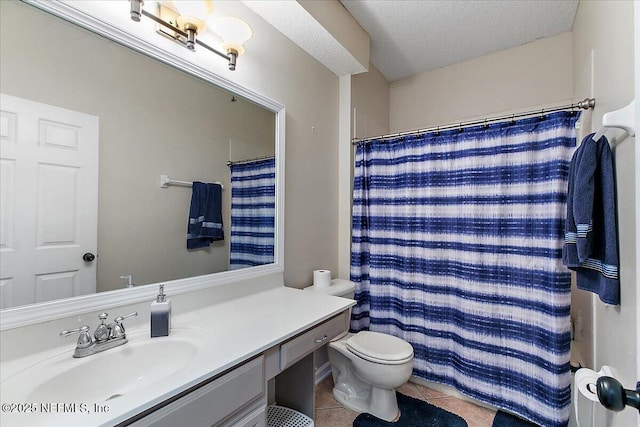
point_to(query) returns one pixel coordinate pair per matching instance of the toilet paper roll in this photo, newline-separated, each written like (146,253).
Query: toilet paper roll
(585,382)
(321,278)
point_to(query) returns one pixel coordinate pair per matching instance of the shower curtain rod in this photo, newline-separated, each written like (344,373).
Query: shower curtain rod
(229,163)
(585,104)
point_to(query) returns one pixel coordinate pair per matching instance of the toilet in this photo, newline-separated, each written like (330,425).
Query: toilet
(367,366)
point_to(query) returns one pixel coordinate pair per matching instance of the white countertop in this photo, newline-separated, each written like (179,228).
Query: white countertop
(232,332)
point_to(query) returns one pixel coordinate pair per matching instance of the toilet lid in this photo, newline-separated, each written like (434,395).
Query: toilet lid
(380,348)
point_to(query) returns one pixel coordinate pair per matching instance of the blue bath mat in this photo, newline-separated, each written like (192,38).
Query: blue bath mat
(503,419)
(413,413)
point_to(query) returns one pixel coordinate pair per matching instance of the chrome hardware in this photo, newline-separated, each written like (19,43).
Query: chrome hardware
(101,333)
(129,278)
(84,340)
(323,339)
(117,328)
(106,336)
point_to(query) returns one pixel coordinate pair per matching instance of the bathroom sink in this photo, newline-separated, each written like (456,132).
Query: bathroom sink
(102,377)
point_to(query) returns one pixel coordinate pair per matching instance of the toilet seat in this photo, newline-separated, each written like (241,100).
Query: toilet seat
(380,348)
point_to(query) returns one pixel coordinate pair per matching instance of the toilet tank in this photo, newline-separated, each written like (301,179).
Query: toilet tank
(339,288)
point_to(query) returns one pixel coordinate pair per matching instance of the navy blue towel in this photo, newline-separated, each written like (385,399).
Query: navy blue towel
(205,215)
(591,238)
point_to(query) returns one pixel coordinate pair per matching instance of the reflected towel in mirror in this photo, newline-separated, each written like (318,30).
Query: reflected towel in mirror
(205,215)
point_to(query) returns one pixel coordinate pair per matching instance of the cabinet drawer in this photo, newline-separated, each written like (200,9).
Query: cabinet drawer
(298,347)
(213,402)
(255,418)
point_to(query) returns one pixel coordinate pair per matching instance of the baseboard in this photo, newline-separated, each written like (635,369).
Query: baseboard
(450,391)
(322,372)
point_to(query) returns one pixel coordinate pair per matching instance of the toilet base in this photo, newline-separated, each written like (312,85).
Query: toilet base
(378,402)
(365,386)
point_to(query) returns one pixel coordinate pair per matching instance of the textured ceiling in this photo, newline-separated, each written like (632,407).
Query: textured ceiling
(409,37)
(292,20)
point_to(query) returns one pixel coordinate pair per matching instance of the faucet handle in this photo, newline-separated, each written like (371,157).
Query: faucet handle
(101,333)
(117,329)
(119,319)
(84,340)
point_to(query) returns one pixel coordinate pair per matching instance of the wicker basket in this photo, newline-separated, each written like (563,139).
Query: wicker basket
(279,416)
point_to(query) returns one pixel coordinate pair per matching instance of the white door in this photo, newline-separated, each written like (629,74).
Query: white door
(48,202)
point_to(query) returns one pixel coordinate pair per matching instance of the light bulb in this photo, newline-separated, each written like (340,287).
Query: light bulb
(193,12)
(234,33)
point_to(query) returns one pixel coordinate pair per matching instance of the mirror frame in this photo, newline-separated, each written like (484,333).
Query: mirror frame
(40,312)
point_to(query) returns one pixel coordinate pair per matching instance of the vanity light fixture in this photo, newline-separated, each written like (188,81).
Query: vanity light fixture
(193,17)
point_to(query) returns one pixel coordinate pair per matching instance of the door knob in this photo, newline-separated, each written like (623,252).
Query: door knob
(88,257)
(615,397)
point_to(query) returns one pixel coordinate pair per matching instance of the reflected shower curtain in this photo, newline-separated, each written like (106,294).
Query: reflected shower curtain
(253,190)
(457,248)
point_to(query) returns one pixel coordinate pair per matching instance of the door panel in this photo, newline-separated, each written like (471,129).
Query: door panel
(49,196)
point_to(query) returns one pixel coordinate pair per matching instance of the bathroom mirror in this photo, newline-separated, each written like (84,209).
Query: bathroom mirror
(159,112)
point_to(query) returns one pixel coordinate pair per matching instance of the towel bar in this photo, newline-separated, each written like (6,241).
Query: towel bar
(165,182)
(622,118)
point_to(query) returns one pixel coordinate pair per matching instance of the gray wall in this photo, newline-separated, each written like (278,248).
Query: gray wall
(520,78)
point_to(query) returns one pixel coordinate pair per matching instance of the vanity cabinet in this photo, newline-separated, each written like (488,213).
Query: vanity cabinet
(236,398)
(255,418)
(294,385)
(225,378)
(239,397)
(305,343)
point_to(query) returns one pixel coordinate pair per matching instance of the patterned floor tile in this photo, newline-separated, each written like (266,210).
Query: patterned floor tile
(329,413)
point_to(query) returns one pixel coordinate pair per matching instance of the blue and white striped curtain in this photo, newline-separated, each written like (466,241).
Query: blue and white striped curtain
(457,248)
(253,190)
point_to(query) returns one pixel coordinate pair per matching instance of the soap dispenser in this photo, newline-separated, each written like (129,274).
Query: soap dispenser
(160,315)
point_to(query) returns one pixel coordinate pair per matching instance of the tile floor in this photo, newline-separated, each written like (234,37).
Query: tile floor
(329,413)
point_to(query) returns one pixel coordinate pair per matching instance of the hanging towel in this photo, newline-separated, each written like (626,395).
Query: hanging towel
(591,240)
(205,215)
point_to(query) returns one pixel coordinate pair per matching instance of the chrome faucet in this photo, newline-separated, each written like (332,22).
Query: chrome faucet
(104,337)
(129,278)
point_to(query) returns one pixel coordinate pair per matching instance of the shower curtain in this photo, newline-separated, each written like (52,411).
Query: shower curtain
(457,248)
(253,189)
